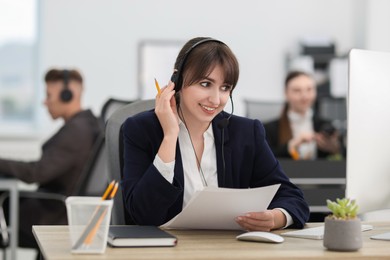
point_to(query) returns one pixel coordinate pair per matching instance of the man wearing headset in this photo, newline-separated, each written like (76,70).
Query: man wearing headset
(63,155)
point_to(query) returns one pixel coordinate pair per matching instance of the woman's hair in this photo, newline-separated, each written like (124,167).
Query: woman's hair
(202,59)
(60,75)
(285,132)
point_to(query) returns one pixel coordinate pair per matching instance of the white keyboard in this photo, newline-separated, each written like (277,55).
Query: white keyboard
(314,233)
(384,236)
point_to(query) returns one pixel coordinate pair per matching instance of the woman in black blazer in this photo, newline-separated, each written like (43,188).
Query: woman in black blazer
(299,133)
(188,143)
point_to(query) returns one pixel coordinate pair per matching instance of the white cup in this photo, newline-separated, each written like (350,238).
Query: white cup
(89,221)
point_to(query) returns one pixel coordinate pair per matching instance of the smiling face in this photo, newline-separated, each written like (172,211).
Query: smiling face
(301,93)
(204,99)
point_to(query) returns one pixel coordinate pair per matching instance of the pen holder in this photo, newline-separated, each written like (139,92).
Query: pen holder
(89,221)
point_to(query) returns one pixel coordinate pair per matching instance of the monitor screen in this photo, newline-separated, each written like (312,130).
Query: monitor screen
(368,138)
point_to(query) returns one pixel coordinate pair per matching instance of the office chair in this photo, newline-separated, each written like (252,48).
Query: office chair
(115,152)
(335,110)
(263,110)
(95,181)
(96,178)
(110,106)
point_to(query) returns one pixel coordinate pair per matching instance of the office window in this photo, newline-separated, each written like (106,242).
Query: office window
(18,20)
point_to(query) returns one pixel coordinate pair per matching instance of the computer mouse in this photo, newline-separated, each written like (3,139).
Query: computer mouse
(260,236)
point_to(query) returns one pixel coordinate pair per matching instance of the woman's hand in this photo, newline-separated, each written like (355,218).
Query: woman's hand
(166,112)
(328,143)
(165,109)
(262,221)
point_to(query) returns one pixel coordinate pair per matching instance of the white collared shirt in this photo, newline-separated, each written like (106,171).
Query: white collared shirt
(303,124)
(193,180)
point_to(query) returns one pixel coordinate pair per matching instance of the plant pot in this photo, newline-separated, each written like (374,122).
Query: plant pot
(342,235)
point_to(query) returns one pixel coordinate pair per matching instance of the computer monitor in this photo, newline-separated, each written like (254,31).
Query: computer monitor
(368,124)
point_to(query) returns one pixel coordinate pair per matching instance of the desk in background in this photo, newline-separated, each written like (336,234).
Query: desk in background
(12,186)
(54,243)
(318,179)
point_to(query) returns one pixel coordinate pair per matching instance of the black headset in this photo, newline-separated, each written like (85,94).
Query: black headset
(66,94)
(177,76)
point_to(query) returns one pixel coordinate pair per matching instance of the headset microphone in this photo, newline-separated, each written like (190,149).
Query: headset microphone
(225,122)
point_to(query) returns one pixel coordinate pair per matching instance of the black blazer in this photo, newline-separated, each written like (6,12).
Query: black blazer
(151,200)
(280,150)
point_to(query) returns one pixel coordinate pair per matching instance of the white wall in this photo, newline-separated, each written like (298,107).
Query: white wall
(100,37)
(378,22)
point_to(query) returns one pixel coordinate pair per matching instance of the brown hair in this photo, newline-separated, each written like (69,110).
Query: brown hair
(285,132)
(59,75)
(203,58)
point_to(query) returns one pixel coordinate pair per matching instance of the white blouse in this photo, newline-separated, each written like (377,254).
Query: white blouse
(193,180)
(303,124)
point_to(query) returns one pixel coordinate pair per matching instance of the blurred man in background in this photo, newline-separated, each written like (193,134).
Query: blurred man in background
(63,155)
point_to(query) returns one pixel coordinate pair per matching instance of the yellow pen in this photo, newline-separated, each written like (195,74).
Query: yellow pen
(157,87)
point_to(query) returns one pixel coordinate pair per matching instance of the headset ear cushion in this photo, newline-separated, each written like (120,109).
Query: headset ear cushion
(66,95)
(175,79)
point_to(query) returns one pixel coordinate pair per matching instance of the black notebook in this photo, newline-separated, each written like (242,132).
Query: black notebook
(139,236)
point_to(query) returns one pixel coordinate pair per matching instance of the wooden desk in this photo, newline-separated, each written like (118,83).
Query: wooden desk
(200,244)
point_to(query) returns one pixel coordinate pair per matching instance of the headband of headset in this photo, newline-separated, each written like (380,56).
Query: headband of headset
(177,76)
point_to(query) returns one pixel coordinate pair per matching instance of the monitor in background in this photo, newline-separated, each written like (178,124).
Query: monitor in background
(368,140)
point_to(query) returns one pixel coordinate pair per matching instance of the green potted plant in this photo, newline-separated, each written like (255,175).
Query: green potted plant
(342,227)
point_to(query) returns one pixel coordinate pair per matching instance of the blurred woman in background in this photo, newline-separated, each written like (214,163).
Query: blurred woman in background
(299,133)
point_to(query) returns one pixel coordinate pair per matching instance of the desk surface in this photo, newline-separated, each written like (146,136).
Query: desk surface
(205,244)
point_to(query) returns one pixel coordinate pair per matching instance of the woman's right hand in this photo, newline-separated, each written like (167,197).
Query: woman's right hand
(165,109)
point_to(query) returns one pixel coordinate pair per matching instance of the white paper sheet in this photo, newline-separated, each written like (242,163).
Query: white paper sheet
(217,208)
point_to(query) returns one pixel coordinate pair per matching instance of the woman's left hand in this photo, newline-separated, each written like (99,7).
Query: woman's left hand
(328,143)
(262,221)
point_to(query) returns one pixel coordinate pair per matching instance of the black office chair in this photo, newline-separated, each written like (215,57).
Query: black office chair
(95,182)
(115,152)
